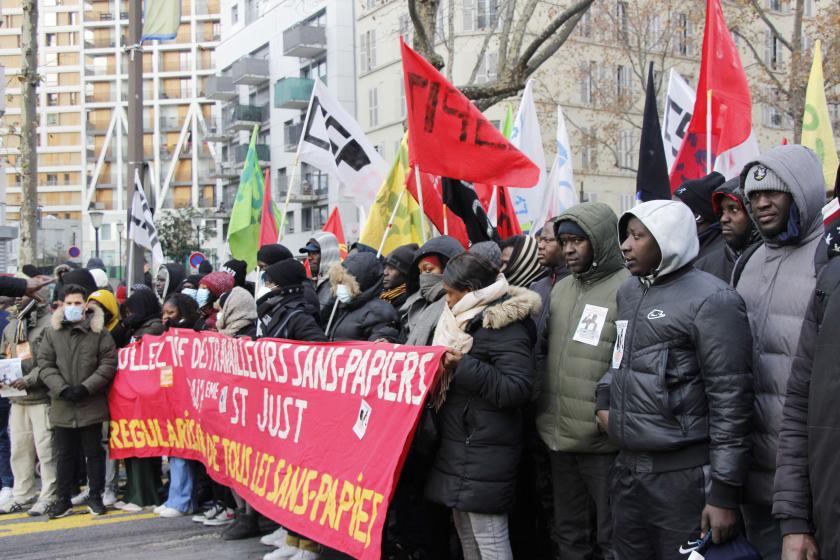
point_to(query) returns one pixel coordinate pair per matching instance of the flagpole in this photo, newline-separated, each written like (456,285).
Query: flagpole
(288,195)
(445,221)
(391,223)
(708,131)
(420,200)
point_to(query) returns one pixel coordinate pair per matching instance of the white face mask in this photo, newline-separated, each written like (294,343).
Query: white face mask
(202,296)
(189,292)
(262,292)
(73,313)
(342,293)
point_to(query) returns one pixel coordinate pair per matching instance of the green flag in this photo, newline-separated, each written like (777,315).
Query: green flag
(244,229)
(507,126)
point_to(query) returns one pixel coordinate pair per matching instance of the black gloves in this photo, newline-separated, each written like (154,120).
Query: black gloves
(75,393)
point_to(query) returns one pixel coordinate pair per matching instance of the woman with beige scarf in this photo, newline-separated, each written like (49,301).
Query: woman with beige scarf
(487,327)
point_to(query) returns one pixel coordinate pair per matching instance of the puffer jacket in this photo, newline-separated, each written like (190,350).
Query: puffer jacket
(37,322)
(777,283)
(481,420)
(680,386)
(568,369)
(366,317)
(80,353)
(287,315)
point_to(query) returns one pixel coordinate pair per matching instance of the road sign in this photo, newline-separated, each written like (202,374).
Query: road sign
(196,258)
(74,252)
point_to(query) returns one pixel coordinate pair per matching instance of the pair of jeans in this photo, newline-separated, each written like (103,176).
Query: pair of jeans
(7,479)
(484,536)
(181,479)
(582,517)
(32,437)
(68,442)
(763,530)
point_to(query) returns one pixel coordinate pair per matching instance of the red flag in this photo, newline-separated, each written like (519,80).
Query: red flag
(268,224)
(722,73)
(334,227)
(507,224)
(433,207)
(449,137)
(307,268)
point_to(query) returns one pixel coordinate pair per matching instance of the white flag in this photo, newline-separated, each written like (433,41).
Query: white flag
(560,187)
(142,230)
(333,142)
(679,106)
(526,136)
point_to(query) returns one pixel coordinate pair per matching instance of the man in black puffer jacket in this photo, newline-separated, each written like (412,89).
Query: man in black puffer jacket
(678,397)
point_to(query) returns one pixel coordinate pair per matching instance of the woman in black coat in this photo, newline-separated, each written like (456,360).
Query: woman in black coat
(284,311)
(488,329)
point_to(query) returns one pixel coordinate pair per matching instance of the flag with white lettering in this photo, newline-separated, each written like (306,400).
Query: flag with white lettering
(142,230)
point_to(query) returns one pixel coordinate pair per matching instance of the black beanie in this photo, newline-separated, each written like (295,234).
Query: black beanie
(274,253)
(205,267)
(237,269)
(402,257)
(697,195)
(81,277)
(284,274)
(569,227)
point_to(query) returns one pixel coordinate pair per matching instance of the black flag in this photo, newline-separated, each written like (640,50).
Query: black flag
(652,182)
(460,197)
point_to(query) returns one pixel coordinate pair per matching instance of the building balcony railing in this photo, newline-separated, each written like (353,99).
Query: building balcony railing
(244,117)
(241,151)
(250,71)
(307,191)
(305,41)
(293,93)
(291,136)
(220,88)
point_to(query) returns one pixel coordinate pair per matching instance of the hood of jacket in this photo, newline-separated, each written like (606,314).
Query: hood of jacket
(330,253)
(362,273)
(107,300)
(239,311)
(732,188)
(445,246)
(175,275)
(516,305)
(671,224)
(800,169)
(599,222)
(94,320)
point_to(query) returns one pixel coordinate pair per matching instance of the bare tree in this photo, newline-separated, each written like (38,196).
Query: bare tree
(518,59)
(28,160)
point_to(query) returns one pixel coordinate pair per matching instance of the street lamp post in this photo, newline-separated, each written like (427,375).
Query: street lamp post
(196,221)
(96,217)
(119,246)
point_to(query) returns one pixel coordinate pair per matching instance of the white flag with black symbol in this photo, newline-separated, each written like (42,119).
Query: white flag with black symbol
(142,230)
(333,142)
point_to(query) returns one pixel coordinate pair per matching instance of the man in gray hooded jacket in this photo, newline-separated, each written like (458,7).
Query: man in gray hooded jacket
(785,189)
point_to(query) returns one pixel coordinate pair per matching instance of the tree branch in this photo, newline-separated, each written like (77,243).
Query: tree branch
(552,46)
(761,62)
(450,40)
(504,38)
(483,51)
(519,29)
(763,15)
(421,33)
(550,30)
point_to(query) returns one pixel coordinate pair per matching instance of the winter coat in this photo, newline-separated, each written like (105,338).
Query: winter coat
(543,287)
(287,316)
(366,317)
(36,392)
(152,326)
(12,287)
(777,283)
(680,385)
(568,369)
(238,317)
(175,274)
(481,420)
(80,353)
(806,493)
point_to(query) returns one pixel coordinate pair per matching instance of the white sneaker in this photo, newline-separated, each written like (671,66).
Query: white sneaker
(282,552)
(159,509)
(277,538)
(130,508)
(40,508)
(109,498)
(223,518)
(214,510)
(80,498)
(306,555)
(168,512)
(5,494)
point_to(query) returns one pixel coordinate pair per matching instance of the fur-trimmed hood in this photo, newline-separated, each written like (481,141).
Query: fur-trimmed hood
(518,304)
(94,319)
(362,273)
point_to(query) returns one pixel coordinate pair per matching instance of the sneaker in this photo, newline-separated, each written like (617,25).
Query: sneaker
(282,553)
(5,494)
(223,518)
(109,498)
(168,513)
(159,509)
(12,506)
(244,526)
(306,555)
(59,509)
(130,508)
(80,498)
(40,508)
(95,506)
(209,513)
(277,538)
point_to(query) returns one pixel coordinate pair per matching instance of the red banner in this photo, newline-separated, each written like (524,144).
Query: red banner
(311,435)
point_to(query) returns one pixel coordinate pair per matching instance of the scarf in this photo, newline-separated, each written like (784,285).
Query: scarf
(393,293)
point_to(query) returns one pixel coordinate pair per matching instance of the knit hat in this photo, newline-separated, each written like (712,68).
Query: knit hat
(81,277)
(30,270)
(569,227)
(205,267)
(95,262)
(289,272)
(524,264)
(761,178)
(490,251)
(274,253)
(100,277)
(402,257)
(237,269)
(192,279)
(697,195)
(122,293)
(108,302)
(218,283)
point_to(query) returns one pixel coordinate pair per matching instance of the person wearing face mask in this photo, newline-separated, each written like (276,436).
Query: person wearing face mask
(209,290)
(275,253)
(357,313)
(77,361)
(425,283)
(397,264)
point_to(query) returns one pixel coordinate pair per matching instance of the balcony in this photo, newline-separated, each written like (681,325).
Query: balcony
(170,124)
(263,154)
(220,88)
(304,41)
(306,192)
(293,93)
(215,134)
(244,117)
(291,136)
(250,71)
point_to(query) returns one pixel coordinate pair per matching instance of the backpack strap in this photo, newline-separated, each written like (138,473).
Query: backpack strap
(281,329)
(742,262)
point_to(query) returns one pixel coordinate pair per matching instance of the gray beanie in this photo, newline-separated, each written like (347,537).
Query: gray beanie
(490,251)
(761,178)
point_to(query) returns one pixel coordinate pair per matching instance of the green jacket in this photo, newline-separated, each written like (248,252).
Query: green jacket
(80,353)
(36,392)
(569,369)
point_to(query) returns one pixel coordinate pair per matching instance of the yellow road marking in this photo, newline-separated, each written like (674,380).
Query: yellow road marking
(11,516)
(75,521)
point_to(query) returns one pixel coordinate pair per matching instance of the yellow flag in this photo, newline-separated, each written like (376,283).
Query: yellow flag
(406,227)
(816,123)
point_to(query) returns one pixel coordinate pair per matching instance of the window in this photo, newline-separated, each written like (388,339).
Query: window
(321,215)
(590,197)
(234,14)
(488,69)
(290,222)
(373,107)
(306,219)
(773,117)
(487,14)
(52,99)
(587,84)
(774,5)
(52,119)
(683,35)
(51,79)
(72,19)
(622,82)
(186,87)
(367,50)
(52,179)
(66,178)
(626,149)
(51,39)
(50,19)
(105,232)
(773,51)
(626,202)
(184,60)
(584,26)
(655,30)
(73,98)
(50,59)
(621,21)
(809,8)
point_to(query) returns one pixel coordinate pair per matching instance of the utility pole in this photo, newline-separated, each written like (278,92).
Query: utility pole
(28,160)
(135,129)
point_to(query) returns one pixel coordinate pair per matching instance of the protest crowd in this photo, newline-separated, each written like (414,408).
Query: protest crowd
(612,386)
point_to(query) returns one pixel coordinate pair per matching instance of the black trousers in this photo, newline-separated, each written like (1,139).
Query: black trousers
(655,513)
(67,442)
